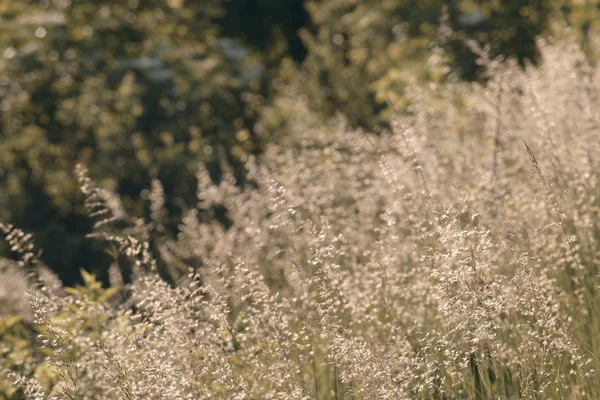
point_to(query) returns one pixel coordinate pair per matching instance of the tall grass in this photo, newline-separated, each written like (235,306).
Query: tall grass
(446,259)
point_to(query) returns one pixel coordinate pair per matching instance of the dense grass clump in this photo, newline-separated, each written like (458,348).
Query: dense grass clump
(453,258)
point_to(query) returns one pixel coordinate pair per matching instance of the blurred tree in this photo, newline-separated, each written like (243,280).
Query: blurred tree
(268,25)
(134,90)
(361,48)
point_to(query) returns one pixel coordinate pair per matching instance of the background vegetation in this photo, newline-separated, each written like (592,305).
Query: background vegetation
(141,90)
(228,201)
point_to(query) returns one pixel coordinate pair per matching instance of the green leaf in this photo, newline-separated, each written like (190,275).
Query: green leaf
(74,291)
(10,321)
(88,279)
(107,294)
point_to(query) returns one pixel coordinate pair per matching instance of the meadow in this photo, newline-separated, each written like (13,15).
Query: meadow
(454,257)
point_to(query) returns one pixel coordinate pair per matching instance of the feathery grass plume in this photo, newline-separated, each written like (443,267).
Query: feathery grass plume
(13,283)
(103,206)
(157,204)
(22,244)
